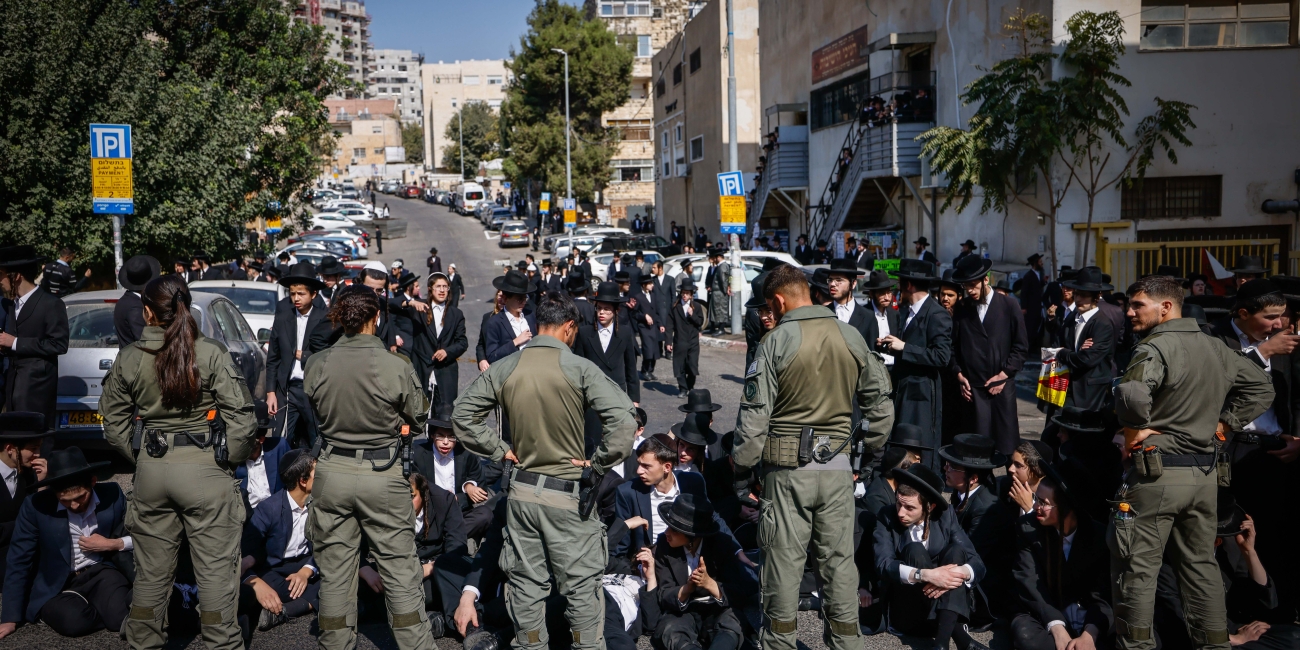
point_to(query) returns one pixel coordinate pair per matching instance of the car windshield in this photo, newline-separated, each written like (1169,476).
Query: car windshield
(90,325)
(473,196)
(248,301)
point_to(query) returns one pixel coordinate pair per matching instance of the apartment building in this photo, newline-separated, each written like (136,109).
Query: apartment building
(397,76)
(1229,59)
(446,87)
(349,24)
(691,129)
(367,136)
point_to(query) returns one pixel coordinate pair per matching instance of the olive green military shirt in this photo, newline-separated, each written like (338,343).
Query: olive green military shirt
(807,372)
(133,383)
(545,389)
(1182,383)
(363,394)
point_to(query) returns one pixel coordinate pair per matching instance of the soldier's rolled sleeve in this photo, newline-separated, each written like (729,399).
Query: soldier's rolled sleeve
(755,410)
(469,416)
(117,409)
(873,400)
(1133,396)
(1251,393)
(235,404)
(617,418)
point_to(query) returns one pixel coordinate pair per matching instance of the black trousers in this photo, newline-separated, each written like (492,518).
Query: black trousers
(686,365)
(278,579)
(479,517)
(692,629)
(910,610)
(299,425)
(1027,633)
(616,637)
(995,415)
(97,598)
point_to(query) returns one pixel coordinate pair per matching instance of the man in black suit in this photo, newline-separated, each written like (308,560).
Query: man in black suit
(75,587)
(802,251)
(128,313)
(862,257)
(202,269)
(988,349)
(35,335)
(625,263)
(685,320)
(675,234)
(922,244)
(549,281)
(968,470)
(331,272)
(577,288)
(610,344)
(511,329)
(1031,301)
(922,350)
(442,460)
(457,292)
(701,240)
(967,249)
(299,316)
(440,340)
(649,325)
(822,255)
(434,262)
(21,465)
(1088,345)
(278,562)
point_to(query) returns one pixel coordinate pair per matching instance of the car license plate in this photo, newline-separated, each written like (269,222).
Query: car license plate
(77,419)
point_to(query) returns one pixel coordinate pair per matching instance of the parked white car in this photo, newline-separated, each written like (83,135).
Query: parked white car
(600,263)
(255,300)
(330,220)
(752,260)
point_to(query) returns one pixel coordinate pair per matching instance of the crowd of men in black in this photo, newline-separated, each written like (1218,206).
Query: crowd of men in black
(942,544)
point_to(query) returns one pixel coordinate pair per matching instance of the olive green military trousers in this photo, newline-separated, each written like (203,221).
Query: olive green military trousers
(545,537)
(799,508)
(185,494)
(350,498)
(1179,508)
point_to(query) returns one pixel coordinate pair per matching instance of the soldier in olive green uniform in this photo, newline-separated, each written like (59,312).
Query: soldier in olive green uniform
(362,394)
(1180,385)
(184,492)
(809,372)
(549,388)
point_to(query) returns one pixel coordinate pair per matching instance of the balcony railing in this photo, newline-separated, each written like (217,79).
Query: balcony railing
(887,150)
(786,166)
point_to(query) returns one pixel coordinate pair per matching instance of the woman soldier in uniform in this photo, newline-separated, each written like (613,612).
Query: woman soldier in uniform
(180,382)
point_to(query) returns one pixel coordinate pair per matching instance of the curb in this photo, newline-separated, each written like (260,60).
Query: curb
(725,344)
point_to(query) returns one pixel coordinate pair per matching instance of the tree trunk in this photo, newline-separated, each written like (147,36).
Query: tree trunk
(1087,234)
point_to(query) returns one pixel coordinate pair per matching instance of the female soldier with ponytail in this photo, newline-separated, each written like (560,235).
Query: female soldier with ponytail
(171,379)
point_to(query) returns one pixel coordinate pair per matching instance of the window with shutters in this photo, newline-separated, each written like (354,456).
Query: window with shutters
(677,74)
(1214,24)
(1172,197)
(695,60)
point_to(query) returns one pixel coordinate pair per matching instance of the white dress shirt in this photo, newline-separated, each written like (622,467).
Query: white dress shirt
(1266,423)
(10,476)
(982,307)
(444,470)
(297,546)
(1082,319)
(519,325)
(916,533)
(259,488)
(85,524)
(913,309)
(438,311)
(605,334)
(657,524)
(844,311)
(882,325)
(419,523)
(301,320)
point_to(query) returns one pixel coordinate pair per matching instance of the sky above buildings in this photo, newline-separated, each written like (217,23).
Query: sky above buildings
(447,30)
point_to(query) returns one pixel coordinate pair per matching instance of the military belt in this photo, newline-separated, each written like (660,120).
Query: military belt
(548,482)
(366,454)
(1187,460)
(183,439)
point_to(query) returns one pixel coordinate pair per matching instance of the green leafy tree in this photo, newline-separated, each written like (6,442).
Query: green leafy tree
(532,115)
(1028,122)
(225,104)
(413,141)
(481,137)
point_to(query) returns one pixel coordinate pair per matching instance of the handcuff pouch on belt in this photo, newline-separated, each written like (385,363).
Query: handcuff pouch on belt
(1148,462)
(403,453)
(1223,460)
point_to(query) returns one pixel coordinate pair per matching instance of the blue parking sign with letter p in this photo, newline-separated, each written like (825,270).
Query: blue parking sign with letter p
(110,140)
(731,184)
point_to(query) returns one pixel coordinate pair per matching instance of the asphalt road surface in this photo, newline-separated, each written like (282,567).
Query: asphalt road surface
(462,241)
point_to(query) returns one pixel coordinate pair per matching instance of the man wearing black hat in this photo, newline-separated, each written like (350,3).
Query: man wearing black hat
(440,340)
(1088,344)
(433,262)
(1031,301)
(510,330)
(922,251)
(577,287)
(35,335)
(1247,268)
(405,313)
(989,346)
(21,466)
(683,329)
(821,255)
(718,283)
(293,329)
(968,469)
(862,258)
(922,350)
(802,251)
(128,313)
(79,591)
(204,270)
(612,347)
(967,249)
(758,315)
(649,324)
(331,275)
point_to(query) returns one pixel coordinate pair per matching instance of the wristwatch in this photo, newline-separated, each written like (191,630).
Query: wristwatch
(916,575)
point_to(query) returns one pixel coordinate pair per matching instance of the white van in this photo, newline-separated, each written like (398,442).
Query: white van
(467,197)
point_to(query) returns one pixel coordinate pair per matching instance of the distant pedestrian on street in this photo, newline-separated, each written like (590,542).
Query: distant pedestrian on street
(386,212)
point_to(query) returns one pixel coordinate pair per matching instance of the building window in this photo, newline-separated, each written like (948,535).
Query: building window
(376,129)
(668,165)
(677,74)
(679,132)
(664,139)
(659,88)
(643,46)
(624,8)
(1168,26)
(1172,197)
(359,151)
(695,60)
(839,102)
(495,80)
(494,103)
(379,151)
(471,80)
(697,148)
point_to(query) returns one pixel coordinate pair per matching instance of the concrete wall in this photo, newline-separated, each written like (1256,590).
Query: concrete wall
(445,91)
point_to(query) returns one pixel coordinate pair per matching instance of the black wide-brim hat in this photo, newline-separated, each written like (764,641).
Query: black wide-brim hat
(970,269)
(973,452)
(689,517)
(1073,418)
(576,283)
(925,481)
(408,280)
(919,270)
(686,285)
(844,266)
(608,292)
(514,282)
(1250,264)
(302,273)
(137,272)
(23,425)
(690,431)
(17,256)
(908,436)
(1088,278)
(698,400)
(67,464)
(820,279)
(330,265)
(1231,516)
(876,281)
(947,281)
(622,276)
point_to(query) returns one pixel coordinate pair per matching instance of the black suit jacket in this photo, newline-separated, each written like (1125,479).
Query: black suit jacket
(268,532)
(1286,403)
(890,539)
(32,378)
(128,319)
(618,362)
(1047,582)
(457,291)
(467,467)
(736,584)
(1091,370)
(633,500)
(444,526)
(9,506)
(863,319)
(984,524)
(40,553)
(501,337)
(586,311)
(633,272)
(427,343)
(681,330)
(284,342)
(1031,294)
(928,350)
(434,263)
(980,350)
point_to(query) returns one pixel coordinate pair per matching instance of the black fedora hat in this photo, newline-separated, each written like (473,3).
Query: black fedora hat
(16,256)
(689,517)
(969,243)
(1250,265)
(1257,288)
(608,292)
(622,276)
(821,279)
(433,250)
(67,464)
(686,285)
(947,281)
(876,281)
(918,270)
(302,273)
(1073,418)
(1033,259)
(756,300)
(1044,450)
(576,283)
(647,279)
(407,280)
(925,481)
(1006,286)
(1169,270)
(23,425)
(771,263)
(908,436)
(844,266)
(1087,279)
(199,254)
(256,266)
(1231,516)
(698,400)
(922,241)
(973,451)
(970,269)
(690,430)
(330,265)
(137,272)
(514,282)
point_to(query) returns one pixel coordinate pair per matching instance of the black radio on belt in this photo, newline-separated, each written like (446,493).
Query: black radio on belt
(806,445)
(155,443)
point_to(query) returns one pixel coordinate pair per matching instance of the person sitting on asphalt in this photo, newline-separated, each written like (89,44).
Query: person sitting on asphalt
(278,561)
(439,535)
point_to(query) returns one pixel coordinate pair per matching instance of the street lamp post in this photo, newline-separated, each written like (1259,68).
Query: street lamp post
(460,116)
(568,153)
